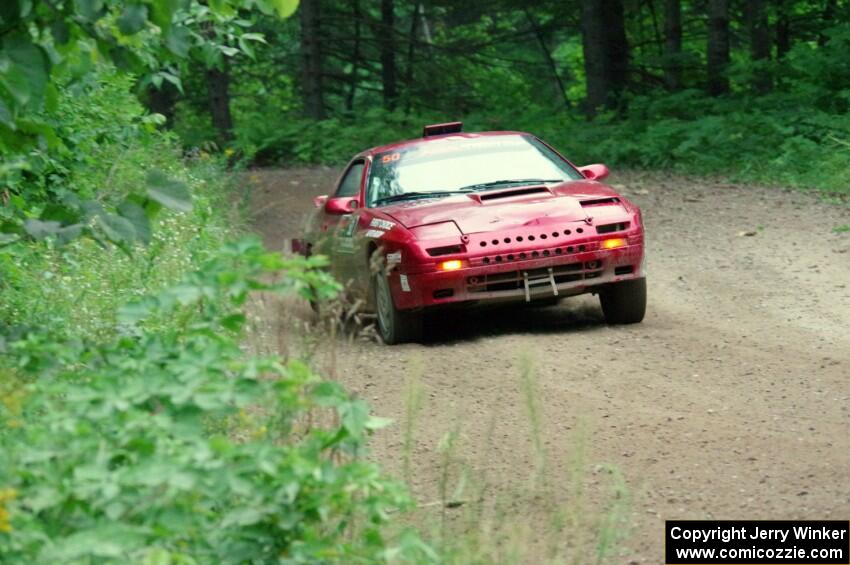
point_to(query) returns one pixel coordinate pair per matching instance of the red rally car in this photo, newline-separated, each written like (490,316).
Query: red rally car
(469,218)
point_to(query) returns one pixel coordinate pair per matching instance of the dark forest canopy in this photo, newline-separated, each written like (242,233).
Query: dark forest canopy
(366,71)
(343,58)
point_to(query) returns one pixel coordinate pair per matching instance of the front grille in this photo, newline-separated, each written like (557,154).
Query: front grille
(537,242)
(535,254)
(541,236)
(514,280)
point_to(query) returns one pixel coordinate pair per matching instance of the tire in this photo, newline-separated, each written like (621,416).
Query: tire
(624,302)
(394,326)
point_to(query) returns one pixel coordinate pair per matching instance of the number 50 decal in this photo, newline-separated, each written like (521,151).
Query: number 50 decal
(391,158)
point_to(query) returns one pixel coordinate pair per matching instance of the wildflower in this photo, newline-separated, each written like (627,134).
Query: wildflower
(6,495)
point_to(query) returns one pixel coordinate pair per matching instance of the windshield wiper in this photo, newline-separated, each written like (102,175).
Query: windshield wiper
(414,196)
(505,182)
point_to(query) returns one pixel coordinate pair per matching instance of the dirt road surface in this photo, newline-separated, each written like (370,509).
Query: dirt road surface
(730,401)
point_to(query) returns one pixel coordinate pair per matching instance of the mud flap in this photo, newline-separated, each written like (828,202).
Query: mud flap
(539,280)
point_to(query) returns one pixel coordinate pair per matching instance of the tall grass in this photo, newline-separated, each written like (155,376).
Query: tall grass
(546,514)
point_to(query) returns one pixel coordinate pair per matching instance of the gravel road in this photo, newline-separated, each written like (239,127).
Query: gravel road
(731,400)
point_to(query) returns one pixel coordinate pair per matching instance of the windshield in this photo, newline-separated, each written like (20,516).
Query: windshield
(456,164)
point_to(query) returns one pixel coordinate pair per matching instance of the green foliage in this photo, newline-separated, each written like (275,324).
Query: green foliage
(66,37)
(171,445)
(51,196)
(799,136)
(332,141)
(78,285)
(52,50)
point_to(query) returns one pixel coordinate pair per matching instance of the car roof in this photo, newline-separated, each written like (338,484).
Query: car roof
(409,142)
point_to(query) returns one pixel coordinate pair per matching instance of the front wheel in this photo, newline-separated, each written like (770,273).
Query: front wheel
(394,326)
(624,302)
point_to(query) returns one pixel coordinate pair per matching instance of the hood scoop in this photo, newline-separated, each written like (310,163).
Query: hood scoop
(523,191)
(609,201)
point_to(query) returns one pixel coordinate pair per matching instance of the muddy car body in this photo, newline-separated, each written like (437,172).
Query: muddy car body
(458,219)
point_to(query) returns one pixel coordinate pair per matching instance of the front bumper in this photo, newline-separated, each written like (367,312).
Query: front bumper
(551,272)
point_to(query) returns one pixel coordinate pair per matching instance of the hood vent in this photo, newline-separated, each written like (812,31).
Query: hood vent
(447,250)
(600,202)
(515,192)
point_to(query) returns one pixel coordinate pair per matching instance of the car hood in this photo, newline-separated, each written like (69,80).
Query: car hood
(504,208)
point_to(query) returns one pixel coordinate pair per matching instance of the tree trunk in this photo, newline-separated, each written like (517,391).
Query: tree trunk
(673,44)
(759,42)
(411,54)
(426,27)
(783,30)
(355,56)
(218,89)
(826,21)
(659,43)
(558,84)
(311,54)
(606,52)
(618,47)
(162,100)
(595,63)
(718,46)
(387,46)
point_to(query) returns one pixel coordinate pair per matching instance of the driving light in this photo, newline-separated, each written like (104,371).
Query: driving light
(452,265)
(613,243)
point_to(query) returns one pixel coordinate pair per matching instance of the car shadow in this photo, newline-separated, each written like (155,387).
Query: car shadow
(453,326)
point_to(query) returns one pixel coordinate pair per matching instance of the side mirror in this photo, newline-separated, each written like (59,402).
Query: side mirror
(594,172)
(319,201)
(340,206)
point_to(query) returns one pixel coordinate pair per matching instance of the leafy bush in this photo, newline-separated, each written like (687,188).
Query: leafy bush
(171,445)
(79,285)
(333,141)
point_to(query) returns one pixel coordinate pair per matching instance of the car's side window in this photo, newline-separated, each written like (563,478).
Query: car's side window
(350,184)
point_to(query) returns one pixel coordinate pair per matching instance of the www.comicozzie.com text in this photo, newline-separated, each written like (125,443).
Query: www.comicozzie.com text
(727,534)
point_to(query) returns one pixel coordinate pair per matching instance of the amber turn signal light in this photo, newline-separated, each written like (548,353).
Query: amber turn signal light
(452,265)
(613,243)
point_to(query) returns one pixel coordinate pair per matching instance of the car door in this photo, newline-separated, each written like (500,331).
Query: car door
(342,250)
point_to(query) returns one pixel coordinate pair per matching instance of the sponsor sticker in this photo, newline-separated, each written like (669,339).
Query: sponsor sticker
(405,285)
(393,258)
(382,224)
(375,234)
